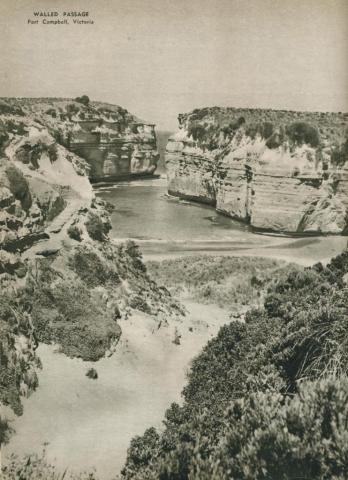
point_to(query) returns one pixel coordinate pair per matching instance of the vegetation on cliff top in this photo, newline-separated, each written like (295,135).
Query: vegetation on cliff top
(52,110)
(215,127)
(266,399)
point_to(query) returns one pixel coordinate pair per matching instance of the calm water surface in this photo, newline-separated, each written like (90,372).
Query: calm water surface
(166,226)
(144,211)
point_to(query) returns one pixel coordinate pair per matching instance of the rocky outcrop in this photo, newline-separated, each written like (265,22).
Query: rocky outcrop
(113,153)
(275,170)
(114,143)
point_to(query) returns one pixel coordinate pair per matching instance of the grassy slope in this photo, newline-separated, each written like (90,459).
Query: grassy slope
(229,282)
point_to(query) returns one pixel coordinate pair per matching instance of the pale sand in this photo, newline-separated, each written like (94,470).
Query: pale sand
(91,422)
(304,251)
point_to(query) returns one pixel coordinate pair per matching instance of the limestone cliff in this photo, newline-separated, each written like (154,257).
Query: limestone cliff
(62,279)
(115,143)
(279,171)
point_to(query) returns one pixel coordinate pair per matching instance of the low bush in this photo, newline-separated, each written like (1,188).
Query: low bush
(339,154)
(92,374)
(96,227)
(75,233)
(52,151)
(91,268)
(84,99)
(133,251)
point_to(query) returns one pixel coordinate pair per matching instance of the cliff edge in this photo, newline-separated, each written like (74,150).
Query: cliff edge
(114,143)
(277,170)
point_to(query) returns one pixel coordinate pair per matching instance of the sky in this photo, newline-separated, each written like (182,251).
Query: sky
(159,58)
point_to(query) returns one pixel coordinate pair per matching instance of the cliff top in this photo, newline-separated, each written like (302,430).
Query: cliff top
(65,108)
(215,127)
(225,114)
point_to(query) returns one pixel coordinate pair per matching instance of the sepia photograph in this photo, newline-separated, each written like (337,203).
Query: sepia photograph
(174,240)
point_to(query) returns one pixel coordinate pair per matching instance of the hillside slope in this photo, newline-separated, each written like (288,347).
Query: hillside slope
(62,279)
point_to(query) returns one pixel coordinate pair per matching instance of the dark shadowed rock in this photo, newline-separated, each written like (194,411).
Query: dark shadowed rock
(48,252)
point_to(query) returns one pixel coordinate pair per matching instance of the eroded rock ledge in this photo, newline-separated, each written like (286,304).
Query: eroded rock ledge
(278,171)
(115,143)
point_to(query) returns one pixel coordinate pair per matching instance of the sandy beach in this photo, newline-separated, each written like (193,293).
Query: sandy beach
(298,250)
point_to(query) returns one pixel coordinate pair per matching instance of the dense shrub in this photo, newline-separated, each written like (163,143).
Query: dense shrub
(16,376)
(75,233)
(72,108)
(64,310)
(6,108)
(91,268)
(4,137)
(339,154)
(300,437)
(302,132)
(233,126)
(141,451)
(84,99)
(252,129)
(52,151)
(277,127)
(267,129)
(268,437)
(197,132)
(132,250)
(96,227)
(264,129)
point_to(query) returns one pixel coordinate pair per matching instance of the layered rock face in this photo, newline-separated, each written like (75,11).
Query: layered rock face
(115,143)
(113,153)
(278,171)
